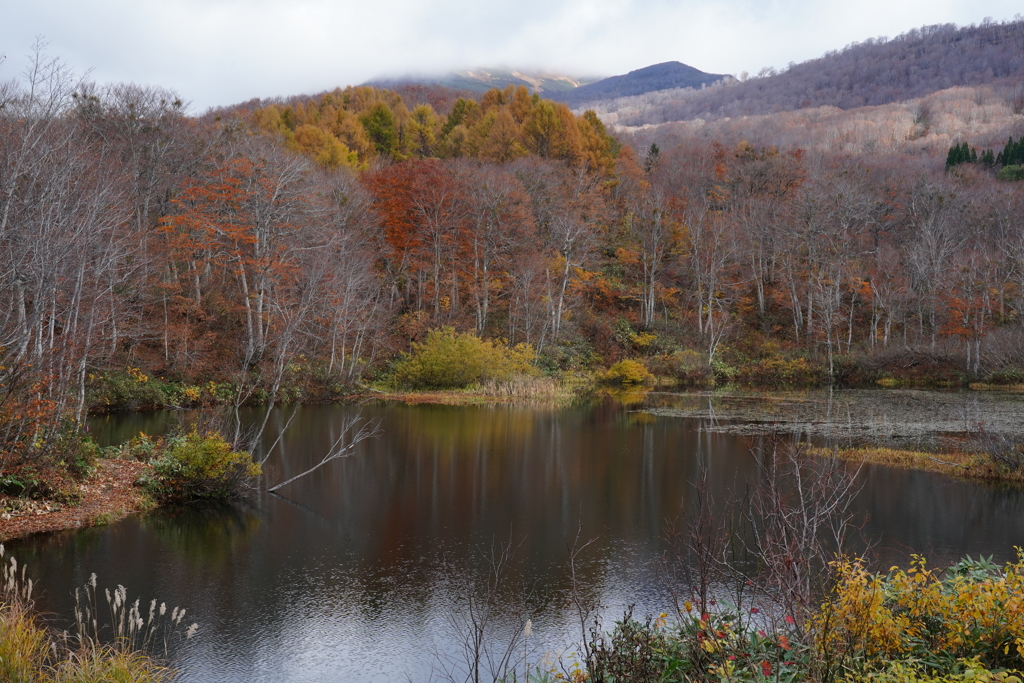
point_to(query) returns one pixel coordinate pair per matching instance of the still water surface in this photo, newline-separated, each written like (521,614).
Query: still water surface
(352,573)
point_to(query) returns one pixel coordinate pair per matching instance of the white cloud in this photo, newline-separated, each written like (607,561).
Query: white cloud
(224,51)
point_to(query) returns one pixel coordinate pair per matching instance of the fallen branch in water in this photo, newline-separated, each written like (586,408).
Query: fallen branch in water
(339,449)
(280,435)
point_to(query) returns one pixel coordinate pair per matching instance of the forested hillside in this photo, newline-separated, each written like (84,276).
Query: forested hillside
(917,131)
(874,72)
(295,249)
(355,126)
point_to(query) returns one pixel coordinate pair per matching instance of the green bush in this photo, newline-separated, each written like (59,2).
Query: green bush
(142,447)
(1011,173)
(125,390)
(568,355)
(720,646)
(1005,376)
(200,467)
(448,360)
(626,372)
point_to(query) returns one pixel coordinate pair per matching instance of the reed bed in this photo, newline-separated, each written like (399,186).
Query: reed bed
(109,643)
(526,388)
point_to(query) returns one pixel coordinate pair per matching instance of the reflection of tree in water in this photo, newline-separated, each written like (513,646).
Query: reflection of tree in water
(362,562)
(114,429)
(626,396)
(203,535)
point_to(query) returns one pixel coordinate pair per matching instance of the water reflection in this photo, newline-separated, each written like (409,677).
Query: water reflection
(347,575)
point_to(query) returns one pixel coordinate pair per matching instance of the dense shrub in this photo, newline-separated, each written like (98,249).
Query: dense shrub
(48,467)
(914,625)
(1005,376)
(778,372)
(131,389)
(634,651)
(943,620)
(574,354)
(142,447)
(720,646)
(905,366)
(126,390)
(200,467)
(688,367)
(1011,173)
(627,373)
(449,360)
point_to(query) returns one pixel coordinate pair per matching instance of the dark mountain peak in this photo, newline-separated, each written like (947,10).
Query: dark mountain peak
(664,69)
(649,78)
(875,72)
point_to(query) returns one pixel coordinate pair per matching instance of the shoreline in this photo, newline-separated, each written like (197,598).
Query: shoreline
(960,465)
(110,492)
(108,495)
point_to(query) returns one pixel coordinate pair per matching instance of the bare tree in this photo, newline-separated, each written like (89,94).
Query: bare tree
(652,225)
(800,517)
(488,620)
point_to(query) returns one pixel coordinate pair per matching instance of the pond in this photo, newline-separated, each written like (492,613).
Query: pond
(357,572)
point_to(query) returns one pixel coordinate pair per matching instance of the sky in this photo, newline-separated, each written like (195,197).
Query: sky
(221,52)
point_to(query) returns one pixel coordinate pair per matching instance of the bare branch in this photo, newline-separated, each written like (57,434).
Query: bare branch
(339,449)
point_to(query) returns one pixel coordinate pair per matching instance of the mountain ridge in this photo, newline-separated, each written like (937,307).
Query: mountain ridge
(640,81)
(482,79)
(875,72)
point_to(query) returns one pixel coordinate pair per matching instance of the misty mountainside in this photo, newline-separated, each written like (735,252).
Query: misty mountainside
(652,78)
(874,72)
(483,79)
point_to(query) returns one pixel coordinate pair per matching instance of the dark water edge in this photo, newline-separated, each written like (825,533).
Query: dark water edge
(353,574)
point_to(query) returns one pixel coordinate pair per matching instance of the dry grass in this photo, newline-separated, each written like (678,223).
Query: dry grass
(30,652)
(961,464)
(23,644)
(527,389)
(1012,388)
(521,389)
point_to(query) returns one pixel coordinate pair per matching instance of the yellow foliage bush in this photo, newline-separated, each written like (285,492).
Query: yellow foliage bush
(688,366)
(975,610)
(626,372)
(201,466)
(967,671)
(449,360)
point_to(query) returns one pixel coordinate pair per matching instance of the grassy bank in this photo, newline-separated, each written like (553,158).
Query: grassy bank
(961,464)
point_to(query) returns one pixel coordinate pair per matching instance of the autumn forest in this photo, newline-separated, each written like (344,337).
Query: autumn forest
(295,249)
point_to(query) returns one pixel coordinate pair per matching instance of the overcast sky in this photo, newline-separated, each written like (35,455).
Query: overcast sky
(218,52)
